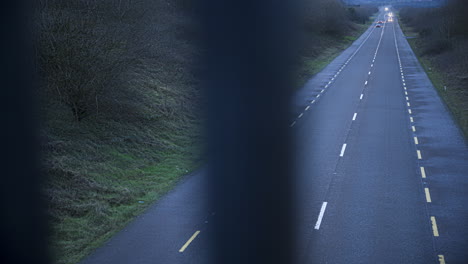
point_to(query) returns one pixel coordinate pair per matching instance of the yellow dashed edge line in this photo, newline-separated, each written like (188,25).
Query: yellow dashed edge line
(182,249)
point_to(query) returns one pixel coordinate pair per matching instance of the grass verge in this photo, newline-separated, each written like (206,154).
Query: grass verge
(449,87)
(331,47)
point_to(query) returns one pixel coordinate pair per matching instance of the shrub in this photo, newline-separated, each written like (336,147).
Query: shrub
(81,52)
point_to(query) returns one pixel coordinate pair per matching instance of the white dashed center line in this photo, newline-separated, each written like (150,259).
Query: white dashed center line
(428,195)
(343,150)
(320,217)
(423,172)
(435,230)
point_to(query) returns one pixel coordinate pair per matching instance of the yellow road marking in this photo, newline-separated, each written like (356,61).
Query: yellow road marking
(434,227)
(423,172)
(419,154)
(182,249)
(428,195)
(416,140)
(441,259)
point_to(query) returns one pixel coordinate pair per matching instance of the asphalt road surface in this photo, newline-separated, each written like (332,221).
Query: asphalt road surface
(389,166)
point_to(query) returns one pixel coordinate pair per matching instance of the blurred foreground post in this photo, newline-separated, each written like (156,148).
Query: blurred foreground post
(22,229)
(248,46)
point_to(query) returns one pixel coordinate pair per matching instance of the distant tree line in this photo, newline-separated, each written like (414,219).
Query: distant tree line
(326,23)
(333,17)
(443,28)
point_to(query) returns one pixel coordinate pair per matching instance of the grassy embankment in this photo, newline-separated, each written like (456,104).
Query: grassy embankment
(331,48)
(329,28)
(439,37)
(119,108)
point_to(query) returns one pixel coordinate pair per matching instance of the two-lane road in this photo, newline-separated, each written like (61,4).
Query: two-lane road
(382,171)
(365,155)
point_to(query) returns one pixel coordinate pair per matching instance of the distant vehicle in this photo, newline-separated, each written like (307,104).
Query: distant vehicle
(378,25)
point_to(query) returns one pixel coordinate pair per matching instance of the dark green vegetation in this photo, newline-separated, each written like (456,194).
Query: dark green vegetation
(328,28)
(119,111)
(441,39)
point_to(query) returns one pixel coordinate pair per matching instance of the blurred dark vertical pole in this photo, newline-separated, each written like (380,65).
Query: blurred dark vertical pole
(248,46)
(22,231)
